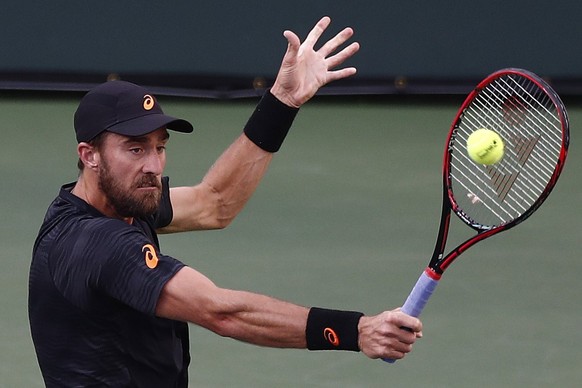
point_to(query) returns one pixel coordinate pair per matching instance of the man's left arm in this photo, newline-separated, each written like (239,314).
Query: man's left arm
(215,202)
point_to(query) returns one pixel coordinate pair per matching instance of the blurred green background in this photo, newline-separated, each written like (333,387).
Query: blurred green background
(345,218)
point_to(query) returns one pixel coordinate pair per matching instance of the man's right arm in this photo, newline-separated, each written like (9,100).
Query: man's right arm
(261,320)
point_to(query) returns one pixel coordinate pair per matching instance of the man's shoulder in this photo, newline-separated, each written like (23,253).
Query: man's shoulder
(71,221)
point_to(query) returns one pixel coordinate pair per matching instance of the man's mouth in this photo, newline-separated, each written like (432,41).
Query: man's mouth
(149,183)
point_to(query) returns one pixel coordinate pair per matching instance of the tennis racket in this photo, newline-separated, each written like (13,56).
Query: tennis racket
(533,124)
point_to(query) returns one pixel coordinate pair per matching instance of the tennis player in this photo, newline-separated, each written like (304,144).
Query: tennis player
(108,308)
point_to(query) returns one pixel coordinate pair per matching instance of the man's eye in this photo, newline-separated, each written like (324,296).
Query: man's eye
(135,150)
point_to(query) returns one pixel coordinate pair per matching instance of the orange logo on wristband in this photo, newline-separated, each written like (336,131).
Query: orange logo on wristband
(331,336)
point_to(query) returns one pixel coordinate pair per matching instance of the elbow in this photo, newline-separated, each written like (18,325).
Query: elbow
(223,211)
(216,223)
(221,326)
(218,312)
(221,222)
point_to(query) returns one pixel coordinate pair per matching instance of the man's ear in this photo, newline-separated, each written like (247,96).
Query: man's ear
(88,155)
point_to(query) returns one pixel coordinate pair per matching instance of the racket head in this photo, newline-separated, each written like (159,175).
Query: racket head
(533,123)
(532,120)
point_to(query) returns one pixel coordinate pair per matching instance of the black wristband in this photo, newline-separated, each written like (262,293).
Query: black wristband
(332,329)
(270,123)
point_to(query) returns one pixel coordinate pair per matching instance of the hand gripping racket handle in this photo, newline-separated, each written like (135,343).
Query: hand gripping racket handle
(417,299)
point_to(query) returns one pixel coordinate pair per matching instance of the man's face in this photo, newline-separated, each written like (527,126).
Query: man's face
(130,172)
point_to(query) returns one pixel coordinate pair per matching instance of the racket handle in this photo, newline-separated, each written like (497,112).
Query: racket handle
(418,298)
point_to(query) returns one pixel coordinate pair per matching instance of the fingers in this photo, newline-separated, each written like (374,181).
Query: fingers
(389,335)
(340,57)
(331,45)
(317,31)
(339,74)
(413,324)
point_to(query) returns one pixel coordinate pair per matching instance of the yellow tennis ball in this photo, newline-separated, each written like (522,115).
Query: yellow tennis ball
(485,146)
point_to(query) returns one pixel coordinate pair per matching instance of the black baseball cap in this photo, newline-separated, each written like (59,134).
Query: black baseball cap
(123,108)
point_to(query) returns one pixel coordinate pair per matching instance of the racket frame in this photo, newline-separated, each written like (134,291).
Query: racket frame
(439,263)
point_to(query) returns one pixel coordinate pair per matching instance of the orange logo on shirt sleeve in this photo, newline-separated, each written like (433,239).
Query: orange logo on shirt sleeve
(151,257)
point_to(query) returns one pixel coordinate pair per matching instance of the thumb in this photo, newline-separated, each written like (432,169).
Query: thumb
(293,43)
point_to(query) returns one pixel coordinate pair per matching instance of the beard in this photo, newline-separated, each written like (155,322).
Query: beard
(128,202)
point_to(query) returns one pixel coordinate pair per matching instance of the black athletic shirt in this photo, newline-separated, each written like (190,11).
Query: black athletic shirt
(93,288)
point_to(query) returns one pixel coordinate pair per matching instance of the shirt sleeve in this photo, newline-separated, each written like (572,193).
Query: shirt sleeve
(165,213)
(114,259)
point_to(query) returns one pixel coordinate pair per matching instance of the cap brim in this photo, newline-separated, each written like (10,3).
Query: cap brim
(143,125)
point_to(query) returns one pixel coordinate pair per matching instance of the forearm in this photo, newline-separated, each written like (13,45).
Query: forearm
(237,173)
(228,185)
(258,319)
(234,177)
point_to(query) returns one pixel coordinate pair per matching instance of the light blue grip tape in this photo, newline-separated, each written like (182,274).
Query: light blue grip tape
(419,295)
(417,299)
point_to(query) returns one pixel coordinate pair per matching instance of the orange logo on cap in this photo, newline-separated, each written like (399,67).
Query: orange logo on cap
(151,258)
(331,336)
(148,102)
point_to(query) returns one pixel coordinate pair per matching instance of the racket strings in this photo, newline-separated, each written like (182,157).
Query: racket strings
(530,124)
